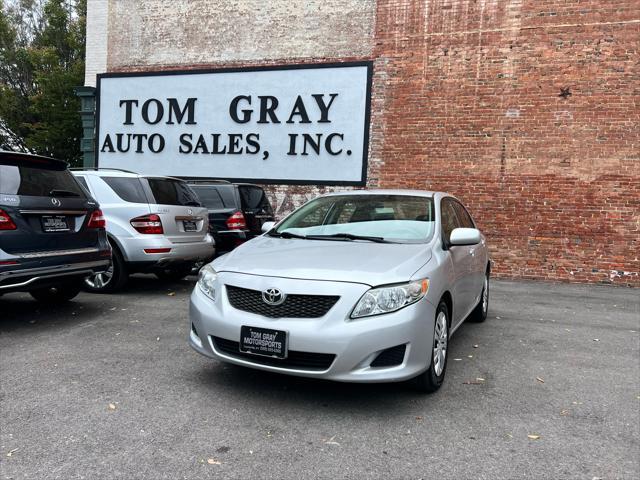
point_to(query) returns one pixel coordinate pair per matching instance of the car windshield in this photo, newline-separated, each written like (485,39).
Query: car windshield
(393,218)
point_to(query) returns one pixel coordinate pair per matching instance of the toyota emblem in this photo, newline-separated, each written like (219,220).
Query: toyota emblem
(56,202)
(273,296)
(190,212)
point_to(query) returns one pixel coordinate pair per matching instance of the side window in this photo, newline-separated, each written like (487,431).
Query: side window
(254,198)
(449,218)
(127,188)
(465,219)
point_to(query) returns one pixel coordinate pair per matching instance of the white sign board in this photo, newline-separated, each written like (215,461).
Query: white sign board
(296,124)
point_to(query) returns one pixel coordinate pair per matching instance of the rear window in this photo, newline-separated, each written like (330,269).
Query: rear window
(38,182)
(128,189)
(254,198)
(210,197)
(167,191)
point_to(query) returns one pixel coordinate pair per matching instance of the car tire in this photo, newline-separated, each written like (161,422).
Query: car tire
(57,294)
(113,280)
(174,274)
(479,314)
(430,380)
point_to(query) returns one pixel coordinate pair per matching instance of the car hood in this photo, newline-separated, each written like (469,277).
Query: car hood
(344,261)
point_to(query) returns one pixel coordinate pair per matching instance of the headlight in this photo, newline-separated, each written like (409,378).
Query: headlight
(389,299)
(207,277)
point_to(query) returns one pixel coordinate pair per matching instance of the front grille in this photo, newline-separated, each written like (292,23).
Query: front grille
(297,360)
(294,306)
(390,357)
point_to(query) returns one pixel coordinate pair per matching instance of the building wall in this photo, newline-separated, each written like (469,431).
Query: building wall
(528,110)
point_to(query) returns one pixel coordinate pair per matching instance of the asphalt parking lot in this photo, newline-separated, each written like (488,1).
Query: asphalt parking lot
(107,387)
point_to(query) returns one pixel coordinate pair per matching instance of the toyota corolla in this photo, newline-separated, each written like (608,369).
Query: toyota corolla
(362,286)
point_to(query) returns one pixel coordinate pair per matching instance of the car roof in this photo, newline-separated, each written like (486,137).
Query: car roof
(109,172)
(408,193)
(30,157)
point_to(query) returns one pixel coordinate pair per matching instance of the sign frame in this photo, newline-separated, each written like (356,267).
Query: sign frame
(298,66)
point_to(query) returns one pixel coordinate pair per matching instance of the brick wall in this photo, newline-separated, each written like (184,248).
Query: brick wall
(528,110)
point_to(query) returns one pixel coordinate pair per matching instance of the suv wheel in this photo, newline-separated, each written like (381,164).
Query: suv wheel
(58,294)
(110,281)
(174,274)
(431,380)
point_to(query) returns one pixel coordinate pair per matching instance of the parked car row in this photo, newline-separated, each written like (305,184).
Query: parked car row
(144,224)
(360,286)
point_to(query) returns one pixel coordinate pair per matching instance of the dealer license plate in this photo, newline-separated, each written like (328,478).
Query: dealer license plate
(190,226)
(263,341)
(55,223)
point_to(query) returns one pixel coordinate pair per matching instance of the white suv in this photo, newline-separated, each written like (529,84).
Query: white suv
(154,225)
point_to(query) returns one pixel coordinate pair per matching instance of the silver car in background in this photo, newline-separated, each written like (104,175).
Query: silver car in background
(154,225)
(363,286)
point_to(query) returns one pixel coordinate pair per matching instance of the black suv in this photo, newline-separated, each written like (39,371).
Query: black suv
(52,233)
(236,211)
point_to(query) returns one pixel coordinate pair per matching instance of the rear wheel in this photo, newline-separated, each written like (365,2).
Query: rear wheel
(174,274)
(431,380)
(479,314)
(112,280)
(58,294)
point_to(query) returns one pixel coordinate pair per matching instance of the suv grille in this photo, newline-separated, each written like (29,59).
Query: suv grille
(297,360)
(294,306)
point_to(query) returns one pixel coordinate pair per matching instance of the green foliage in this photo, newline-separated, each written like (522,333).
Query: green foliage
(41,61)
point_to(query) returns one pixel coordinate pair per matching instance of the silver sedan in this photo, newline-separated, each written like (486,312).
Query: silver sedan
(362,286)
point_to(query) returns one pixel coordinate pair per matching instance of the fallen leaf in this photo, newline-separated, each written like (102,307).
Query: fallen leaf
(533,437)
(419,418)
(331,441)
(212,461)
(596,339)
(112,406)
(171,294)
(11,452)
(540,379)
(479,379)
(565,412)
(475,346)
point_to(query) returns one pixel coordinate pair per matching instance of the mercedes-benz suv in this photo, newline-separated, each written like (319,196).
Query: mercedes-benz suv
(154,224)
(52,233)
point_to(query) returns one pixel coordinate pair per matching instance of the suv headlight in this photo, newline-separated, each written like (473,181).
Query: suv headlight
(389,299)
(207,277)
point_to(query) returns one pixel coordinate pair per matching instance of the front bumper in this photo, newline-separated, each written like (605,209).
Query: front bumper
(355,343)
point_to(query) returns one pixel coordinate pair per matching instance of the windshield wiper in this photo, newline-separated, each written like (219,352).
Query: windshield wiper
(286,235)
(350,236)
(63,193)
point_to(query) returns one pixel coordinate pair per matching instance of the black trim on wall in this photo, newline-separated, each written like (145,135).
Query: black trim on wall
(367,113)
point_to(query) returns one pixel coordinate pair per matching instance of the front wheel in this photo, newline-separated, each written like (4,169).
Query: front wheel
(57,294)
(431,380)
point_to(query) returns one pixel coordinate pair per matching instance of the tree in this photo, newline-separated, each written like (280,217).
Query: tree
(42,46)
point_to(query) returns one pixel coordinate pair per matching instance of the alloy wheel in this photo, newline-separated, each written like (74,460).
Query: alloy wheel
(100,280)
(440,343)
(485,295)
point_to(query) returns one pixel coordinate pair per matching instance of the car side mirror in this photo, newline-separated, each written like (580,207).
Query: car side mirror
(266,226)
(464,236)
